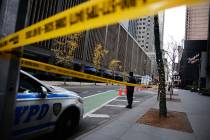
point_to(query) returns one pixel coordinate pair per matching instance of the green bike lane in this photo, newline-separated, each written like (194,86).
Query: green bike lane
(95,101)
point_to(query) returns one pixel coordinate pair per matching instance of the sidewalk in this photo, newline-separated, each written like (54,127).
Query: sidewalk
(197,108)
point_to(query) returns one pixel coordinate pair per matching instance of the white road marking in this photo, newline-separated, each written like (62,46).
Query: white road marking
(126,100)
(98,116)
(98,94)
(93,110)
(115,105)
(125,96)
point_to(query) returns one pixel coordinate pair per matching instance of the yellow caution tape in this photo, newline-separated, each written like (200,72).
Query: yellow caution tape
(91,14)
(67,72)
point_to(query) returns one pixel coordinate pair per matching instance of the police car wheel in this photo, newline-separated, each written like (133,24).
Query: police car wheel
(66,124)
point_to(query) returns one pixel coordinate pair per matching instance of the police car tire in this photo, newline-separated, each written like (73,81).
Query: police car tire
(62,130)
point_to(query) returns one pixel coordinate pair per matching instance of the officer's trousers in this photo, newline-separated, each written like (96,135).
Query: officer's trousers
(130,97)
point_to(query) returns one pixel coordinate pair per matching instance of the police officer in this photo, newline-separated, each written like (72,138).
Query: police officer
(130,90)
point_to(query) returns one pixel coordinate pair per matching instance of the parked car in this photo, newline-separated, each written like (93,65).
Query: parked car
(90,70)
(41,108)
(118,76)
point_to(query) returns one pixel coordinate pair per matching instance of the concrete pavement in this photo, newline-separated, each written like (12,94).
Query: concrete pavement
(125,127)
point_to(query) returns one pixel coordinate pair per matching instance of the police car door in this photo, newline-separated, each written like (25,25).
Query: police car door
(31,109)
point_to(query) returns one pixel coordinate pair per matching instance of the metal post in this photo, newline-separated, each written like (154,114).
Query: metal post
(12,18)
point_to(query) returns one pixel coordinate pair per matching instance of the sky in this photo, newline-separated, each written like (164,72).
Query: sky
(174,26)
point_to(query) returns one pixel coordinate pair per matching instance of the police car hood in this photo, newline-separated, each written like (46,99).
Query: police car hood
(61,90)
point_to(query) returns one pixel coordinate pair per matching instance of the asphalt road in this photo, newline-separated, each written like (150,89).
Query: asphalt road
(106,110)
(85,91)
(101,105)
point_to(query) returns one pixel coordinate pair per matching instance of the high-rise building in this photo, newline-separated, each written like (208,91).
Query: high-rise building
(143,31)
(195,59)
(197,22)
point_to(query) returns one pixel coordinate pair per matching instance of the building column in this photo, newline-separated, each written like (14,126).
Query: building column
(208,56)
(118,39)
(126,52)
(12,18)
(84,53)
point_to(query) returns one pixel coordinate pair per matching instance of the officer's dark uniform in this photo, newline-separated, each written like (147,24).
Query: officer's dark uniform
(130,90)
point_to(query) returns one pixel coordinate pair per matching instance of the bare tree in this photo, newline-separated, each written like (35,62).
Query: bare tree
(159,60)
(172,54)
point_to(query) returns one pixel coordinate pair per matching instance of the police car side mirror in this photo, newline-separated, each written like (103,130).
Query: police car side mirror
(44,92)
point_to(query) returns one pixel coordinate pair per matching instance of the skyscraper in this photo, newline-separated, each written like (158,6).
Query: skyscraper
(195,60)
(142,30)
(197,22)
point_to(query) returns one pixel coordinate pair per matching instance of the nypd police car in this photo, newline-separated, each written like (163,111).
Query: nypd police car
(44,108)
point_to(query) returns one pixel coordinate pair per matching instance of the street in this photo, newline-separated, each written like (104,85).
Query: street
(65,66)
(85,91)
(102,105)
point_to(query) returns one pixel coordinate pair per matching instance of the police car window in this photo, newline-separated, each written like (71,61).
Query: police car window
(28,85)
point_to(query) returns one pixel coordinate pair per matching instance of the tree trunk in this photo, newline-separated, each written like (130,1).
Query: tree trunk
(159,60)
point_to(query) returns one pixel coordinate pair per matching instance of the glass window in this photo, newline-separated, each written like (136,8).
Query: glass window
(28,85)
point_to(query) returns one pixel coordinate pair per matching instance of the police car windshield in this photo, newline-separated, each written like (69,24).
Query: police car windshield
(31,83)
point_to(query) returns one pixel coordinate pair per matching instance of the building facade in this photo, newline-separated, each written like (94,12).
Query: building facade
(114,38)
(195,59)
(143,31)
